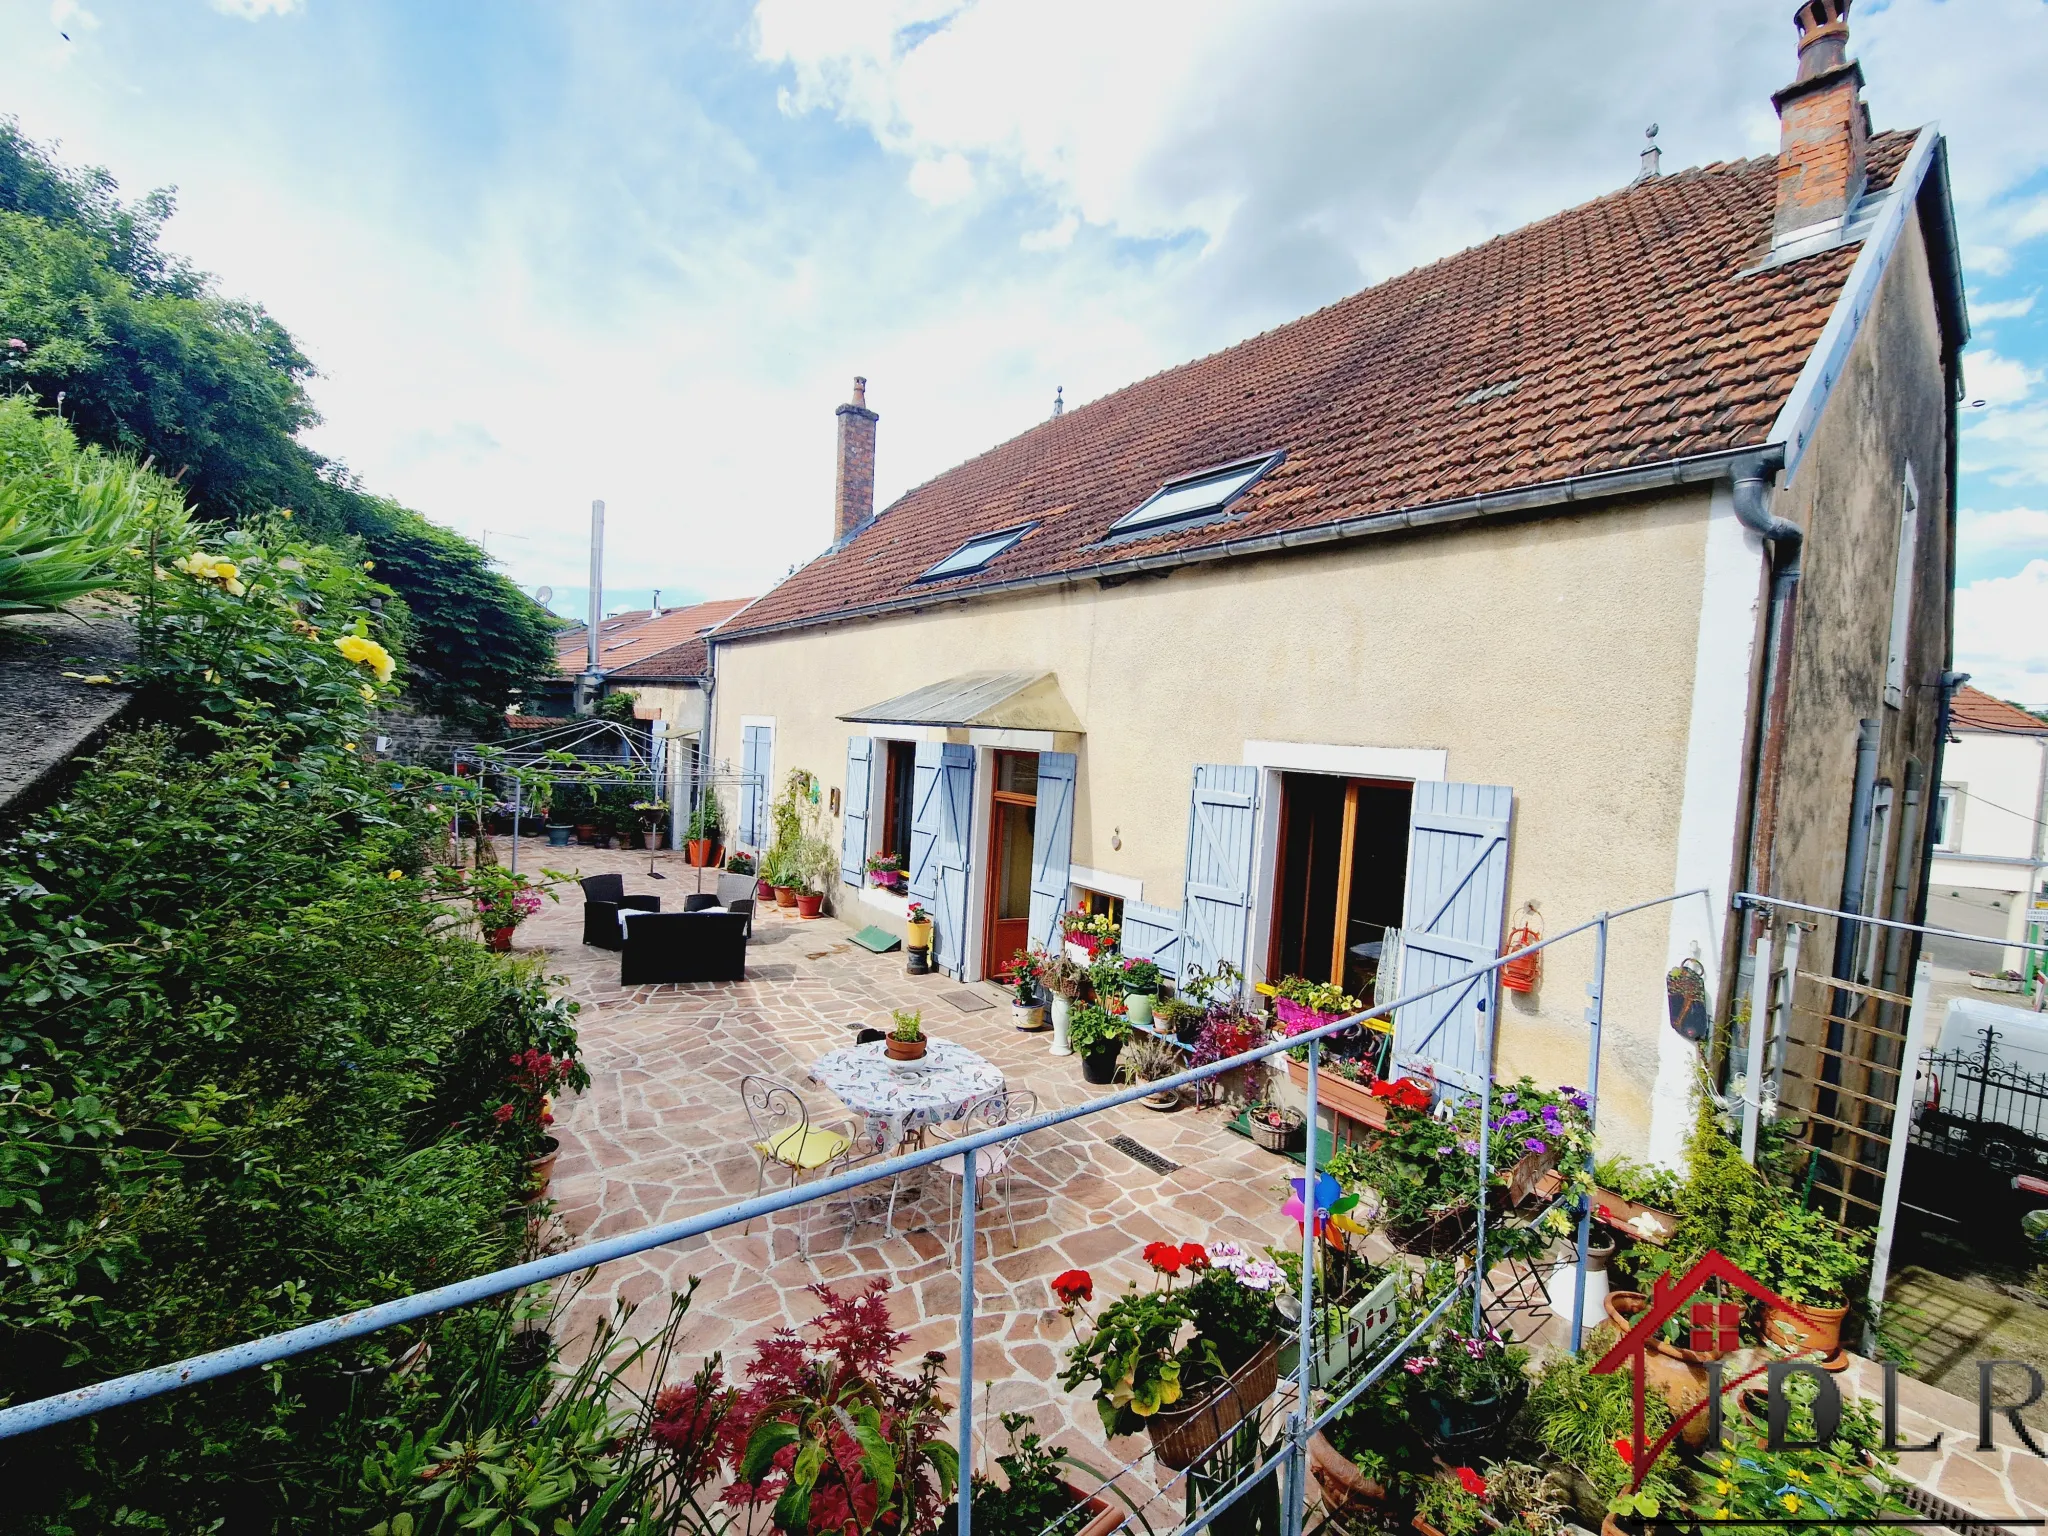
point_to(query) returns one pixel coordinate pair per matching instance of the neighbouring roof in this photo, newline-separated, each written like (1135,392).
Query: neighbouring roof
(1626,332)
(649,645)
(1023,701)
(1975,710)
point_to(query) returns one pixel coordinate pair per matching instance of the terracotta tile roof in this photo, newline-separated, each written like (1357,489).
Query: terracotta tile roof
(1976,710)
(1620,333)
(629,640)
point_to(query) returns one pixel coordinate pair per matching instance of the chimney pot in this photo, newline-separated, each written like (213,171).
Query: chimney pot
(1824,128)
(853,502)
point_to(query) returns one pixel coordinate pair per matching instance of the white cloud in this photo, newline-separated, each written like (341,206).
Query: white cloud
(1997,380)
(70,16)
(2001,309)
(1979,534)
(2010,445)
(1055,237)
(946,179)
(2001,636)
(256,10)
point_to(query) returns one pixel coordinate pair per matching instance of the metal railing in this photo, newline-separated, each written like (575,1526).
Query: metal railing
(1301,1421)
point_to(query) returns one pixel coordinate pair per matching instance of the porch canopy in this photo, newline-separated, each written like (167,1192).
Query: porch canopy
(1014,701)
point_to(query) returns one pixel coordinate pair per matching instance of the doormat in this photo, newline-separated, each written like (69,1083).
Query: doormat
(966,1000)
(880,940)
(1143,1155)
(1325,1146)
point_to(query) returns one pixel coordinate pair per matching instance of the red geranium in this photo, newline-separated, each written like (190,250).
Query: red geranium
(1072,1287)
(1471,1482)
(1194,1256)
(1165,1257)
(1625,1449)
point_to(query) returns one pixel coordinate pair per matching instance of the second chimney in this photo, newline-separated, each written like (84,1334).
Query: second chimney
(1824,127)
(853,497)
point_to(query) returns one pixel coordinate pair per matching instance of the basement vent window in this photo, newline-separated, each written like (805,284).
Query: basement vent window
(1493,392)
(1196,497)
(976,553)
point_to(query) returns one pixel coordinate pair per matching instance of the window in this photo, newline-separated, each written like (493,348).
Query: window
(1099,903)
(1948,818)
(1340,877)
(1902,592)
(1197,496)
(976,553)
(899,807)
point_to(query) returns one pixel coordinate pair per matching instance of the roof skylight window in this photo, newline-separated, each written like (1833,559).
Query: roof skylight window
(976,553)
(1196,497)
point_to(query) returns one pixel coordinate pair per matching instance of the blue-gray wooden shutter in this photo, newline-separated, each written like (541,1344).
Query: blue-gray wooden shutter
(754,753)
(1153,933)
(1456,909)
(1052,846)
(953,855)
(924,825)
(1217,900)
(853,845)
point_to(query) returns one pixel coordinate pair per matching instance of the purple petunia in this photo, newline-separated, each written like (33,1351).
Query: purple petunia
(1536,1146)
(1514,1117)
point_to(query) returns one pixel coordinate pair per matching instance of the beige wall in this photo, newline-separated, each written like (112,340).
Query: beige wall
(1555,655)
(682,706)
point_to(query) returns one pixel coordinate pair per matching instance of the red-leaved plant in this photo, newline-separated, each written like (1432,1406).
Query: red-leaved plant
(826,1428)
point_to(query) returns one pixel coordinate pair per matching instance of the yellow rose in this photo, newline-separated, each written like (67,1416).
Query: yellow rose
(367,653)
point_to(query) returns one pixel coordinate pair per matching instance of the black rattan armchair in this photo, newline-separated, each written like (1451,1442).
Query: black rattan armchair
(603,896)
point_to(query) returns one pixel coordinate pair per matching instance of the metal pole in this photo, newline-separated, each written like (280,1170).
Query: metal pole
(1296,1513)
(596,616)
(1902,1134)
(1485,1163)
(1596,990)
(516,819)
(1782,1033)
(968,1196)
(1759,1021)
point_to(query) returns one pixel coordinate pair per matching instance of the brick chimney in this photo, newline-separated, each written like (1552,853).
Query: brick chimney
(1825,127)
(853,497)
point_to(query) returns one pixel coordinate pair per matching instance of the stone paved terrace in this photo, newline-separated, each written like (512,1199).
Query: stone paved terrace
(661,1135)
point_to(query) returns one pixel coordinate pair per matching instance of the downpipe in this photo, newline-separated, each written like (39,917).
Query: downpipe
(1753,487)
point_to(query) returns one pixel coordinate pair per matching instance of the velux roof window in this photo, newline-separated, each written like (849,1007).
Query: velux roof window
(976,553)
(1196,497)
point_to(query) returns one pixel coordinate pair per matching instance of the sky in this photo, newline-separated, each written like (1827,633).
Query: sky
(545,253)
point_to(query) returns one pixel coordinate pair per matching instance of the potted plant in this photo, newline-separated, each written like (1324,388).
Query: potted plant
(1099,1036)
(1027,1003)
(1063,980)
(1034,1498)
(906,1040)
(1139,984)
(885,871)
(917,927)
(502,900)
(1178,1017)
(1275,1127)
(1147,1059)
(1812,1263)
(524,1117)
(701,835)
(740,864)
(1300,1004)
(1473,1384)
(814,865)
(650,814)
(1088,936)
(1462,1502)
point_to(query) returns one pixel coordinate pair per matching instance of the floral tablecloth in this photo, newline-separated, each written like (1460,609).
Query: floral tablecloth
(904,1097)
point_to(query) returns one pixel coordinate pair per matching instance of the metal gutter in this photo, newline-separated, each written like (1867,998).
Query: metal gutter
(1698,469)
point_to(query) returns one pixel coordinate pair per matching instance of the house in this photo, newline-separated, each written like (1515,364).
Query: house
(657,655)
(1990,867)
(1605,560)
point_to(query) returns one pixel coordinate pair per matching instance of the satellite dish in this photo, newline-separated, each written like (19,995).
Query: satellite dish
(543,594)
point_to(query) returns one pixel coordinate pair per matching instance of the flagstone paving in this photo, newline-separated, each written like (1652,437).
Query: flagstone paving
(661,1135)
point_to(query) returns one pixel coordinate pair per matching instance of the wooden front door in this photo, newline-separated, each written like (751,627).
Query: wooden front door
(1013,815)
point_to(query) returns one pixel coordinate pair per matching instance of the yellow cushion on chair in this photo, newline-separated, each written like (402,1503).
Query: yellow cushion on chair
(805,1147)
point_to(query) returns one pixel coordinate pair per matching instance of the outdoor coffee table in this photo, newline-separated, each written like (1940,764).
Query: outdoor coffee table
(901,1100)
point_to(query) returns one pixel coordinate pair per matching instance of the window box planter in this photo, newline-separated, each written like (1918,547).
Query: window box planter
(1298,1016)
(1364,1323)
(1180,1435)
(1354,1101)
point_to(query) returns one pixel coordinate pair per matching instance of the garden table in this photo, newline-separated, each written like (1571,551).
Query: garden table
(900,1100)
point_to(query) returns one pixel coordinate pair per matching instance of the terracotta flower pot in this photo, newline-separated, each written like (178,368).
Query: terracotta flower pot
(809,905)
(1679,1376)
(903,1050)
(785,895)
(697,852)
(501,942)
(540,1171)
(586,833)
(763,891)
(1354,1101)
(1346,1490)
(1104,1518)
(1816,1328)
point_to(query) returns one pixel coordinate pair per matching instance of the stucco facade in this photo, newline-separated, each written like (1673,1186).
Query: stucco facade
(1554,655)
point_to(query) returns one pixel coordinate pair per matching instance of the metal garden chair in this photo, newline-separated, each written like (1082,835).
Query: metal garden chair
(1006,1106)
(785,1138)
